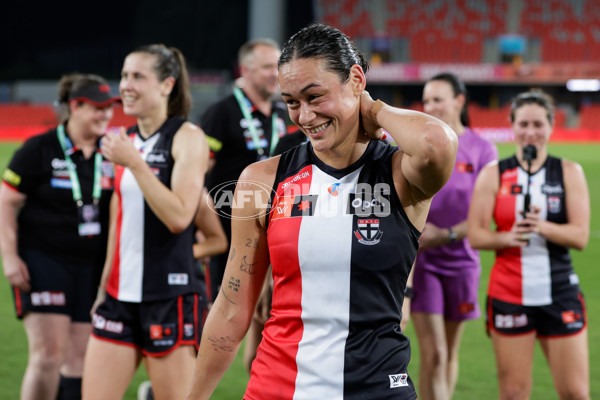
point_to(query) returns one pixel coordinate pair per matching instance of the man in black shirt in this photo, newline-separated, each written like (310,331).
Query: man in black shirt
(242,128)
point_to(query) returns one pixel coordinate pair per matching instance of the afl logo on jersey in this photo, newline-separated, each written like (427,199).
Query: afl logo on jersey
(368,231)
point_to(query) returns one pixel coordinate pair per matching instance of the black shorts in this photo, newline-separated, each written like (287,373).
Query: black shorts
(156,327)
(58,286)
(565,316)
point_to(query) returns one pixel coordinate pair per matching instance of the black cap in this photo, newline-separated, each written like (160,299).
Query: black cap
(98,95)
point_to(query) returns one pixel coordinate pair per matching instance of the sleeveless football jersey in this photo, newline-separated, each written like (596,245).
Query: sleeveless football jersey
(150,262)
(533,274)
(341,248)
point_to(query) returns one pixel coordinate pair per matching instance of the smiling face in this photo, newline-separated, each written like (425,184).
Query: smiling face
(94,119)
(325,109)
(531,126)
(439,101)
(141,91)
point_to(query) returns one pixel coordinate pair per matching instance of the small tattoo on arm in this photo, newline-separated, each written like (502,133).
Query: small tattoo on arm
(247,267)
(252,243)
(232,256)
(233,284)
(222,343)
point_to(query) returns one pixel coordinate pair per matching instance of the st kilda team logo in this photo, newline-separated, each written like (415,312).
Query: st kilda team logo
(368,231)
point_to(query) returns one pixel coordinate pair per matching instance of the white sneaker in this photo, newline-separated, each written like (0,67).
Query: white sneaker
(145,391)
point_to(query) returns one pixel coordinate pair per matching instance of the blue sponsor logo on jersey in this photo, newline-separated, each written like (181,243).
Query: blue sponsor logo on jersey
(333,189)
(61,183)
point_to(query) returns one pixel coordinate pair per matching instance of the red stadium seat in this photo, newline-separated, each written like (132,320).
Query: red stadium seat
(27,114)
(567,29)
(590,116)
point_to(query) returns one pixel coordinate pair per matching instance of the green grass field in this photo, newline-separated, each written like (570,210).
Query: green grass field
(477,369)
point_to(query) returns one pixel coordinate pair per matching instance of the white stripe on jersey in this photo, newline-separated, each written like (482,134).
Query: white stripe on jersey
(535,258)
(131,246)
(324,339)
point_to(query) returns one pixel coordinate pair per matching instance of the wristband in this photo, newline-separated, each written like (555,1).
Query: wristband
(409,292)
(451,236)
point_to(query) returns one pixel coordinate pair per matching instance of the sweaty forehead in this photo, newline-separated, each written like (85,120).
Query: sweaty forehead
(301,72)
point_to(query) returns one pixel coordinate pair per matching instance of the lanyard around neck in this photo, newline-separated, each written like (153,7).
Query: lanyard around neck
(243,103)
(67,148)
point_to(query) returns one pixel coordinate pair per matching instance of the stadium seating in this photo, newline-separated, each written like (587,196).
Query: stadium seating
(485,117)
(44,115)
(569,30)
(456,30)
(20,121)
(27,114)
(589,117)
(489,117)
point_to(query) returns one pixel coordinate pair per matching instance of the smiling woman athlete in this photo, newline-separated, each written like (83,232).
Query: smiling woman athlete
(341,236)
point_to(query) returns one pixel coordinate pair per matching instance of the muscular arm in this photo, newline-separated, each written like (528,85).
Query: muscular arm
(247,265)
(576,232)
(428,152)
(177,206)
(15,269)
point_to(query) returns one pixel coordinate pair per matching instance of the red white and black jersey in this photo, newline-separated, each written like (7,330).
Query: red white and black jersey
(150,262)
(341,248)
(535,274)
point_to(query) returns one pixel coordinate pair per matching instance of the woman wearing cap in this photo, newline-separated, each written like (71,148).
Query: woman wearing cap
(150,302)
(54,218)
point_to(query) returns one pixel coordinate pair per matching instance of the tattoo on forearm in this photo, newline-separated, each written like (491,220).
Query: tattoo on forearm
(233,284)
(232,256)
(225,295)
(222,343)
(252,243)
(247,267)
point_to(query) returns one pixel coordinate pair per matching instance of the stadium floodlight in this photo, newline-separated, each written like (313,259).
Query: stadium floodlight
(583,85)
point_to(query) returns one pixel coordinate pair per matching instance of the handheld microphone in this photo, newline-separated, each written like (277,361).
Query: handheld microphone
(529,154)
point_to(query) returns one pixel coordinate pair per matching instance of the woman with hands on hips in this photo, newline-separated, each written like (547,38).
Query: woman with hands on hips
(340,232)
(150,302)
(533,291)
